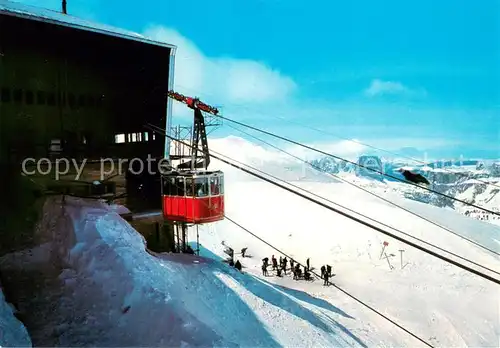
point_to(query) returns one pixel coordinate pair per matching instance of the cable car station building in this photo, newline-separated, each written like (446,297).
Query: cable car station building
(74,89)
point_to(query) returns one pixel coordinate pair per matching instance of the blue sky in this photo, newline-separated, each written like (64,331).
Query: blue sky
(393,74)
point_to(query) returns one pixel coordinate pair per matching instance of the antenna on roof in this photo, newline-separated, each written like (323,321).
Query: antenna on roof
(64,7)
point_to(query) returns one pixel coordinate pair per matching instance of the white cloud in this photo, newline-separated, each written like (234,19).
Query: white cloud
(222,80)
(348,149)
(379,87)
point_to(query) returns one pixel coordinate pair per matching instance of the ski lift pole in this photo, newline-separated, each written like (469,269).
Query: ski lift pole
(383,249)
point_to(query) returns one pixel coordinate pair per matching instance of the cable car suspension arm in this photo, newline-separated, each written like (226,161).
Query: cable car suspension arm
(199,130)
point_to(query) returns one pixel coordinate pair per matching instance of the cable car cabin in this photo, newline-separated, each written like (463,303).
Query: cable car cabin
(193,198)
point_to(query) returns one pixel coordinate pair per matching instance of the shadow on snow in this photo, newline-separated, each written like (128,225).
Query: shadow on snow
(277,296)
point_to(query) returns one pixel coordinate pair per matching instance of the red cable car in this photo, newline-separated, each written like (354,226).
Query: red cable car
(191,194)
(193,197)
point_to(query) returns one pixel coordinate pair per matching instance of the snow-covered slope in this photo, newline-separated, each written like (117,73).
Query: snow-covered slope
(114,293)
(12,331)
(439,302)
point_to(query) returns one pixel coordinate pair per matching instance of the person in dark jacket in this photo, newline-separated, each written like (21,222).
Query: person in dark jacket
(264,269)
(275,262)
(325,277)
(237,265)
(265,261)
(323,270)
(307,263)
(307,275)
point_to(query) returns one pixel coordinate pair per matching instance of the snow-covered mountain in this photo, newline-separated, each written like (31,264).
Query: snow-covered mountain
(472,180)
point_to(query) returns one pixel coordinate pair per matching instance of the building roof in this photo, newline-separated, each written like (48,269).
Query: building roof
(58,18)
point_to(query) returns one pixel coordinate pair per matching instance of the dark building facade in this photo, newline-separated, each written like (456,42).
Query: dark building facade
(85,88)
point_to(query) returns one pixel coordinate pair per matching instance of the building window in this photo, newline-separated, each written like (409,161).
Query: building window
(81,101)
(30,97)
(119,138)
(51,98)
(91,101)
(40,97)
(100,101)
(61,99)
(5,95)
(18,96)
(71,100)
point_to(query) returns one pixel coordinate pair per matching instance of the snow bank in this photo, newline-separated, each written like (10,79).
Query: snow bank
(135,298)
(12,331)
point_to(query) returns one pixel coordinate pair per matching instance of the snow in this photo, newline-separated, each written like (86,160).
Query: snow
(110,291)
(110,284)
(12,331)
(432,298)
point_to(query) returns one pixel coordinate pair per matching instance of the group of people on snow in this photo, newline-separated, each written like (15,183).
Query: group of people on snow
(296,269)
(281,266)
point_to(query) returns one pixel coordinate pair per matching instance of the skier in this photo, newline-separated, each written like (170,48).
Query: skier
(264,269)
(285,261)
(237,265)
(329,270)
(291,264)
(326,279)
(243,251)
(307,275)
(275,262)
(323,270)
(296,272)
(307,263)
(265,260)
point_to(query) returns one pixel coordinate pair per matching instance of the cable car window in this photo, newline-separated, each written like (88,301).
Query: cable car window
(40,97)
(30,97)
(173,190)
(201,186)
(221,184)
(189,187)
(214,186)
(5,95)
(18,96)
(180,186)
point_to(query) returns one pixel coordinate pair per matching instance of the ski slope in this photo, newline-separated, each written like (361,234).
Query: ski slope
(439,302)
(110,291)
